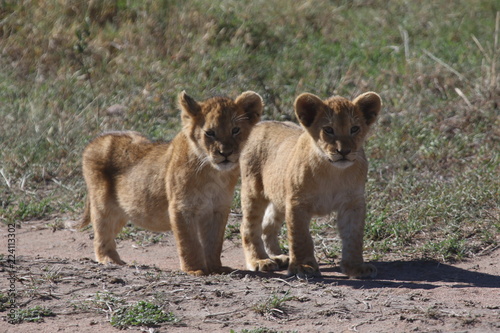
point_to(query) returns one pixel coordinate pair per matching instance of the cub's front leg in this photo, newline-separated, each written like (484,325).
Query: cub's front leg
(351,223)
(185,228)
(212,238)
(302,260)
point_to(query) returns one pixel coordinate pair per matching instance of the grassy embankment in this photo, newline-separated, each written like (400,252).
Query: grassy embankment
(434,183)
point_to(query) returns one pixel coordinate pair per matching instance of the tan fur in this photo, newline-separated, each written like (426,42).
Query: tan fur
(293,173)
(185,185)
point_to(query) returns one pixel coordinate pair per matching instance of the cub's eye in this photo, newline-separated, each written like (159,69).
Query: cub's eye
(328,130)
(235,130)
(354,129)
(210,133)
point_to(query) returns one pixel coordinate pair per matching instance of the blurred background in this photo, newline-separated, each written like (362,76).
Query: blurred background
(72,69)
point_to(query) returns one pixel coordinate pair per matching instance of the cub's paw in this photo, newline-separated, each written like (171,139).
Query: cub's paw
(304,271)
(268,265)
(114,259)
(282,260)
(120,262)
(198,272)
(263,265)
(358,271)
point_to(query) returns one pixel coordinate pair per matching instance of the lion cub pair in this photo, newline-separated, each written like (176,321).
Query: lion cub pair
(288,173)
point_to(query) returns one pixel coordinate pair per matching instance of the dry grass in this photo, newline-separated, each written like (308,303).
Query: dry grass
(72,69)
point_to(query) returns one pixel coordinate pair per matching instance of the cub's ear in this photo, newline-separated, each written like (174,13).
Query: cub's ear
(188,105)
(307,107)
(369,104)
(252,103)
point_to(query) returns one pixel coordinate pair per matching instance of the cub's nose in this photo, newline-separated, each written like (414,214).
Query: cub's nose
(226,153)
(344,152)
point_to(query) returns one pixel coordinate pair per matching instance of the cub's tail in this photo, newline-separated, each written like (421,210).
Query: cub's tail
(85,220)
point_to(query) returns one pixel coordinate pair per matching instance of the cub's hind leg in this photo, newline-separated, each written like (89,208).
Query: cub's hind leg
(253,208)
(107,223)
(271,227)
(104,213)
(102,208)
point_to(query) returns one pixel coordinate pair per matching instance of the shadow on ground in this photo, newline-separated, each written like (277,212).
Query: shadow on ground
(419,274)
(416,274)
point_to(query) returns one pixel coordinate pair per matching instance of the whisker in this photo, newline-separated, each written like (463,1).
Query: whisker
(202,164)
(329,117)
(237,118)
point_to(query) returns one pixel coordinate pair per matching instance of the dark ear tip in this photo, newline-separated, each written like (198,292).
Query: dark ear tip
(303,98)
(252,103)
(188,104)
(307,101)
(250,97)
(370,97)
(183,96)
(306,106)
(370,104)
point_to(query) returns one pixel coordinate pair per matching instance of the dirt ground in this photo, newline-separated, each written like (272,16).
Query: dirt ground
(55,269)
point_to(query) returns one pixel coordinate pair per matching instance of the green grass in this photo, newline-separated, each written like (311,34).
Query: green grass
(260,330)
(4,300)
(101,302)
(141,314)
(34,314)
(105,301)
(274,306)
(26,210)
(433,184)
(139,235)
(232,231)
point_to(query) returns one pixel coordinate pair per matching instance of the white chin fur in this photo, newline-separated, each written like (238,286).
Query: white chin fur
(342,164)
(224,166)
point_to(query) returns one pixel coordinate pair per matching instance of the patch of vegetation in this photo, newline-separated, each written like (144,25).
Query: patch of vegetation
(236,204)
(141,314)
(106,301)
(274,306)
(101,302)
(52,274)
(232,231)
(139,236)
(261,330)
(27,210)
(35,314)
(3,302)
(153,277)
(451,249)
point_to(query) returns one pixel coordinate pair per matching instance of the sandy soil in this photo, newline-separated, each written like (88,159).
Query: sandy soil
(55,269)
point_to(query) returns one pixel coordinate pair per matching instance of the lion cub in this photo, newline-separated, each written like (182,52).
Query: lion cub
(185,185)
(292,173)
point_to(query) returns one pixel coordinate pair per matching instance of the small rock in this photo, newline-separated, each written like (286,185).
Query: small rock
(116,110)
